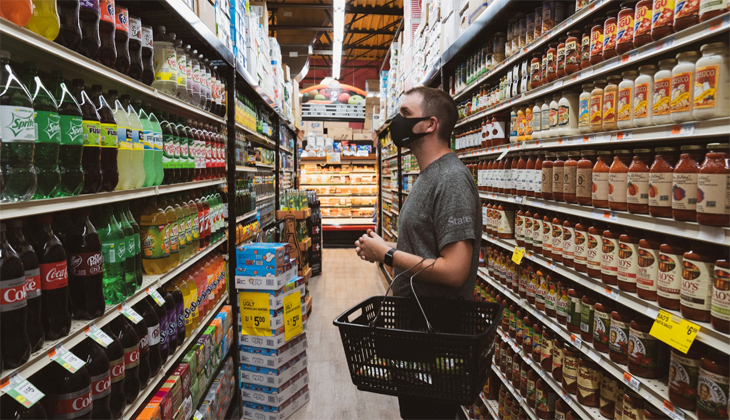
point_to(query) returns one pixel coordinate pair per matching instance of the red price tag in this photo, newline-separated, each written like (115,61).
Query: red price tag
(560,141)
(676,129)
(715,25)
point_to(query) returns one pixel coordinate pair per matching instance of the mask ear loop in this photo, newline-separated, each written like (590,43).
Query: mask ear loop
(428,324)
(372,323)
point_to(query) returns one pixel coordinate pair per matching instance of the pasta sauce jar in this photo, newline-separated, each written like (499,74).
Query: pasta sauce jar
(609,394)
(596,46)
(570,368)
(684,181)
(618,344)
(697,279)
(720,311)
(602,324)
(669,278)
(628,260)
(660,181)
(712,388)
(686,14)
(609,253)
(648,261)
(647,355)
(594,251)
(637,189)
(572,52)
(584,177)
(713,183)
(610,30)
(625,31)
(600,178)
(589,382)
(642,23)
(618,180)
(588,310)
(580,248)
(684,369)
(662,19)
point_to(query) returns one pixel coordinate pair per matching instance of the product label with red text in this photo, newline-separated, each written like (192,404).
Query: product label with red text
(624,104)
(86,264)
(721,294)
(32,283)
(669,279)
(12,294)
(696,289)
(74,404)
(625,34)
(682,92)
(54,275)
(117,370)
(648,271)
(662,13)
(641,100)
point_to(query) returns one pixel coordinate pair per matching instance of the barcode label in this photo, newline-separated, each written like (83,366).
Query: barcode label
(269,282)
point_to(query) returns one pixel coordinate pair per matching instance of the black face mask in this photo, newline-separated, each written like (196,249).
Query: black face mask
(401,130)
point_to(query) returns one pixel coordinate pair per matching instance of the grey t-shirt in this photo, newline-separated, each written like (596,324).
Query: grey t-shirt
(442,208)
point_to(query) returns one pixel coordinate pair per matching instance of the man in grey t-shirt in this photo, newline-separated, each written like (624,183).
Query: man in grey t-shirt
(439,222)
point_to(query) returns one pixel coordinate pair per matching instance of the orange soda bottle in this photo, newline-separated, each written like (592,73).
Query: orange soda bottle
(17,11)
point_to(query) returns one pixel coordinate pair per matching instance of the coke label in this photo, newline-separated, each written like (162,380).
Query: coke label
(18,124)
(153,334)
(54,275)
(32,283)
(73,405)
(135,27)
(116,369)
(107,11)
(101,385)
(131,357)
(12,294)
(122,19)
(86,264)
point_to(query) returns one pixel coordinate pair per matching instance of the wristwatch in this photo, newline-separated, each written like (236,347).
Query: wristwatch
(388,259)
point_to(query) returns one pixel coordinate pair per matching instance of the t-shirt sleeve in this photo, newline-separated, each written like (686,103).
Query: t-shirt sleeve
(455,211)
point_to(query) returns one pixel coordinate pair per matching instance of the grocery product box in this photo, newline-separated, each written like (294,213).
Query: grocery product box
(150,412)
(267,282)
(262,254)
(266,412)
(298,214)
(259,394)
(266,269)
(258,356)
(276,319)
(272,377)
(276,297)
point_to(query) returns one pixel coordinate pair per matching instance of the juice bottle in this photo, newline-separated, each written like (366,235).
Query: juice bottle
(125,142)
(91,158)
(195,219)
(45,20)
(181,222)
(157,133)
(148,140)
(173,233)
(18,11)
(139,168)
(108,139)
(155,238)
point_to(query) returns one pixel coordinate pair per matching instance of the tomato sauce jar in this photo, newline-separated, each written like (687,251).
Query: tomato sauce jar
(562,305)
(618,180)
(580,247)
(633,407)
(662,19)
(575,308)
(557,238)
(551,296)
(684,181)
(589,382)
(570,368)
(600,178)
(686,14)
(570,172)
(536,234)
(610,30)
(669,279)
(546,351)
(628,260)
(584,177)
(713,182)
(572,52)
(710,8)
(557,368)
(609,395)
(558,174)
(602,324)
(618,344)
(547,236)
(545,400)
(594,250)
(712,388)
(647,354)
(588,309)
(546,185)
(648,272)
(637,188)
(597,41)
(642,23)
(585,47)
(536,342)
(561,57)
(660,181)
(720,311)
(684,370)
(609,252)
(625,31)
(697,280)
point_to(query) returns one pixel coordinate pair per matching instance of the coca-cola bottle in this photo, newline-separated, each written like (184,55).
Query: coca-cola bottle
(161,312)
(120,329)
(13,306)
(135,48)
(69,34)
(115,353)
(85,269)
(153,333)
(121,39)
(68,394)
(12,409)
(98,366)
(25,250)
(55,314)
(171,309)
(144,351)
(177,296)
(89,15)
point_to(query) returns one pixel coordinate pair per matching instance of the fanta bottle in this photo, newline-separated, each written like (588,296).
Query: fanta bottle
(154,235)
(45,20)
(17,11)
(124,138)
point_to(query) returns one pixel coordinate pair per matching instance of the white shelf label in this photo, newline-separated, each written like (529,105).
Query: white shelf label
(611,216)
(518,199)
(96,334)
(711,234)
(623,135)
(612,292)
(65,358)
(130,313)
(22,391)
(632,382)
(674,412)
(577,342)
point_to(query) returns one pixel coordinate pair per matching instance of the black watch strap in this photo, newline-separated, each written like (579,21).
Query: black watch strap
(388,259)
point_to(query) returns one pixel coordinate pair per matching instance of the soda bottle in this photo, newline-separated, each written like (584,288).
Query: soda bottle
(181,151)
(148,65)
(155,238)
(153,335)
(148,137)
(165,63)
(194,149)
(45,20)
(48,129)
(200,283)
(192,315)
(69,34)
(188,74)
(99,368)
(125,153)
(34,327)
(161,313)
(116,285)
(72,141)
(175,288)
(115,354)
(137,143)
(121,39)
(157,133)
(19,11)
(12,409)
(109,140)
(134,48)
(196,78)
(68,392)
(85,269)
(198,223)
(181,223)
(182,76)
(55,314)
(187,215)
(137,247)
(171,310)
(208,85)
(121,329)
(13,305)
(205,227)
(18,136)
(130,274)
(169,135)
(89,14)
(173,235)
(91,159)
(140,328)
(107,54)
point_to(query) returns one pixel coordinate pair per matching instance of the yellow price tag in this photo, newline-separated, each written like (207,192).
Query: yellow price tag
(255,316)
(292,315)
(677,333)
(517,254)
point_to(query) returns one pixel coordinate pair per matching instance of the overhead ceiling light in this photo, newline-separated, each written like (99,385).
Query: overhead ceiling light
(338,26)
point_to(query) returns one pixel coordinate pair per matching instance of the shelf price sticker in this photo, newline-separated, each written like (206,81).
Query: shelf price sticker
(255,315)
(675,331)
(577,342)
(683,130)
(95,333)
(612,292)
(156,296)
(292,315)
(517,254)
(623,135)
(198,415)
(632,382)
(22,391)
(130,313)
(65,358)
(674,412)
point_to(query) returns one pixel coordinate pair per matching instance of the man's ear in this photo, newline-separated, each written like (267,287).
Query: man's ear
(432,125)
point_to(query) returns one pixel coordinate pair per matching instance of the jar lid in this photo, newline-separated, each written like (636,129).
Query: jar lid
(648,68)
(691,147)
(718,146)
(588,152)
(630,73)
(666,149)
(612,13)
(621,152)
(598,22)
(614,79)
(714,45)
(574,33)
(643,150)
(561,154)
(688,55)
(669,62)
(629,4)
(599,82)
(587,86)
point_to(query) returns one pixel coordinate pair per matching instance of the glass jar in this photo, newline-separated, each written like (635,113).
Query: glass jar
(642,23)
(568,242)
(536,342)
(596,55)
(684,370)
(713,204)
(602,324)
(560,71)
(529,171)
(710,8)
(609,395)
(527,239)
(540,289)
(600,178)
(562,409)
(588,307)
(562,303)
(570,368)
(660,181)
(662,19)
(684,181)
(544,67)
(547,236)
(545,400)
(535,71)
(610,94)
(589,382)
(648,271)
(498,47)
(554,109)
(537,121)
(580,247)
(618,344)
(625,31)
(637,192)
(522,31)
(662,93)
(669,279)
(537,174)
(570,172)
(521,119)
(538,23)
(584,177)
(720,312)
(572,52)
(584,100)
(633,406)
(686,14)
(557,238)
(557,359)
(609,254)
(552,61)
(545,119)
(546,351)
(618,179)
(628,260)
(506,217)
(537,233)
(711,96)
(575,308)
(596,105)
(530,28)
(647,354)
(713,386)
(511,176)
(558,174)
(551,295)
(568,114)
(682,85)
(697,280)
(519,175)
(643,102)
(610,30)
(624,104)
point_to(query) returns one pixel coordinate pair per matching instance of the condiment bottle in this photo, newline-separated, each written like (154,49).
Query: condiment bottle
(597,41)
(713,386)
(532,378)
(545,400)
(660,181)
(637,188)
(562,304)
(662,92)
(584,101)
(506,217)
(609,251)
(618,180)
(552,56)
(575,308)
(588,308)
(600,177)
(562,409)
(682,84)
(610,95)
(519,176)
(589,382)
(712,99)
(570,172)
(553,116)
(720,311)
(580,247)
(625,31)
(643,102)
(647,354)
(524,368)
(535,71)
(628,260)
(570,368)
(557,238)
(642,23)
(669,280)
(546,351)
(662,19)
(618,344)
(537,120)
(568,114)
(547,236)
(610,30)
(545,119)
(585,49)
(686,14)
(684,181)
(697,279)
(684,370)
(584,177)
(527,239)
(624,105)
(572,52)
(602,324)
(648,272)
(519,227)
(511,176)
(558,174)
(713,200)
(596,105)
(541,290)
(609,395)
(527,324)
(595,250)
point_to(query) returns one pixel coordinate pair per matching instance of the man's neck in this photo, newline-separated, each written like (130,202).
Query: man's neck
(429,152)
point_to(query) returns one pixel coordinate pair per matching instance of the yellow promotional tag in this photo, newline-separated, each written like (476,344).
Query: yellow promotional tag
(679,335)
(255,318)
(292,315)
(333,157)
(517,254)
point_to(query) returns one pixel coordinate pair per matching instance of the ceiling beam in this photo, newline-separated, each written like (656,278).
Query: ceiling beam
(328,28)
(376,10)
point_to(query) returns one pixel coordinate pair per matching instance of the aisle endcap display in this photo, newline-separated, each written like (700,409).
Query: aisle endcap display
(297,214)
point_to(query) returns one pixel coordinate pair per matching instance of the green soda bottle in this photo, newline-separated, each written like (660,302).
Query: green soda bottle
(113,249)
(72,142)
(148,139)
(137,245)
(130,276)
(157,134)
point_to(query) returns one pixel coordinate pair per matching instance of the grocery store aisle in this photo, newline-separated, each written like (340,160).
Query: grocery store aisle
(346,280)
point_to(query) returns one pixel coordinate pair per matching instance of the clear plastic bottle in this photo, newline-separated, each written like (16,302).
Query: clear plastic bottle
(182,77)
(165,63)
(125,162)
(137,146)
(155,238)
(157,136)
(196,78)
(189,74)
(149,145)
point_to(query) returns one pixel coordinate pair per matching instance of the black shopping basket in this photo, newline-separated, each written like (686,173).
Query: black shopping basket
(438,349)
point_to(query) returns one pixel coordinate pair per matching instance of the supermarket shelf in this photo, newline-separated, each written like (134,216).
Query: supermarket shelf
(342,173)
(154,383)
(213,377)
(347,195)
(395,211)
(288,171)
(246,169)
(248,215)
(265,197)
(492,406)
(652,390)
(35,207)
(389,157)
(347,206)
(29,46)
(342,158)
(388,213)
(412,173)
(387,200)
(515,393)
(264,166)
(40,358)
(674,42)
(255,136)
(388,231)
(658,133)
(466,413)
(286,149)
(347,220)
(707,333)
(405,192)
(689,230)
(348,185)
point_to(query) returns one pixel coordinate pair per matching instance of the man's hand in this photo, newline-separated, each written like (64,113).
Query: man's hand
(371,247)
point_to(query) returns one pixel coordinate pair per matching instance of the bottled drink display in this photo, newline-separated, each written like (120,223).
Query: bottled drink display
(107,54)
(135,48)
(140,155)
(120,329)
(99,368)
(91,158)
(45,21)
(89,16)
(85,269)
(68,392)
(69,34)
(15,346)
(18,12)
(148,68)
(118,282)
(72,142)
(115,353)
(109,140)
(166,67)
(152,323)
(121,39)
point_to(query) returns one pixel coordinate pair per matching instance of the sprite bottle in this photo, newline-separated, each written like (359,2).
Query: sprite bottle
(130,275)
(113,250)
(137,245)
